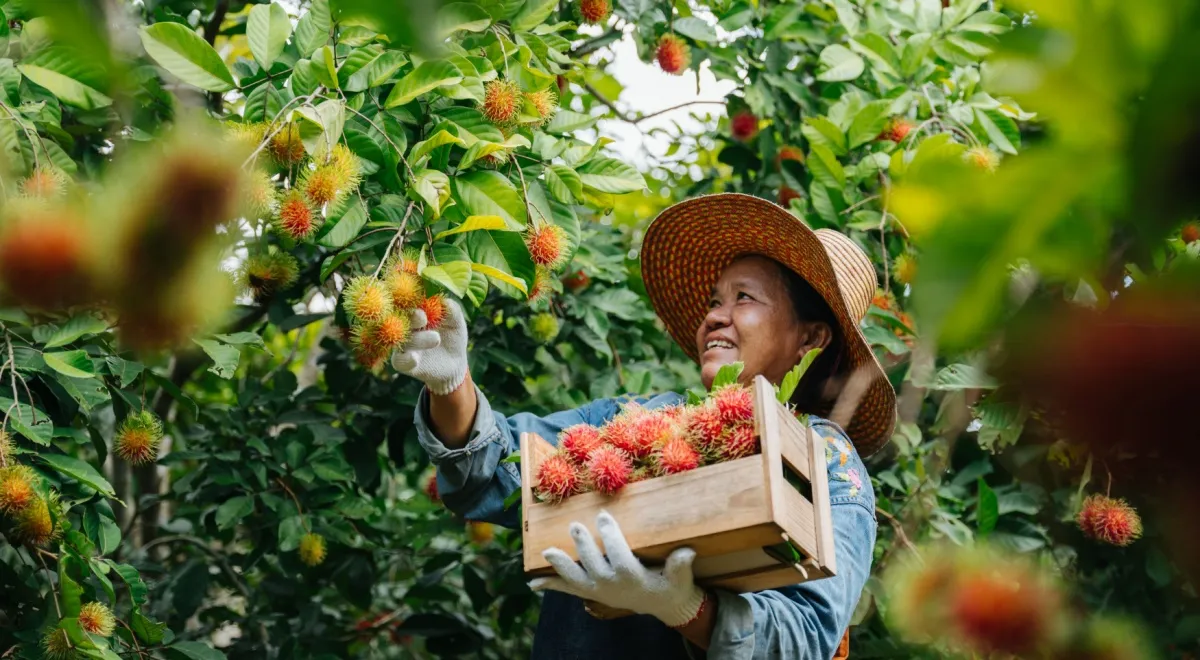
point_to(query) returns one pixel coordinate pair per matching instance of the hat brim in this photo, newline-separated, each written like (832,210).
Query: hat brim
(690,244)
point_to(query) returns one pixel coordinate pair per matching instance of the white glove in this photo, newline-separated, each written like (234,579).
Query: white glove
(620,581)
(437,358)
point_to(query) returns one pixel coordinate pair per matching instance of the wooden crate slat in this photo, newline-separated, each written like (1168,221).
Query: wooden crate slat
(799,523)
(768,578)
(795,445)
(823,517)
(767,424)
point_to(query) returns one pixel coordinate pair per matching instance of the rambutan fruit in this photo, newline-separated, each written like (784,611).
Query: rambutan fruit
(44,256)
(673,55)
(1109,520)
(654,429)
(296,217)
(786,195)
(543,327)
(431,488)
(542,288)
(579,441)
(481,533)
(983,158)
(406,288)
(36,524)
(260,197)
(577,281)
(738,442)
(557,478)
(621,432)
(734,402)
(96,619)
(138,438)
(266,273)
(406,261)
(320,187)
(501,101)
(788,152)
(56,645)
(677,455)
(312,549)
(609,469)
(286,147)
(1190,233)
(883,300)
(393,330)
(346,167)
(365,345)
(366,299)
(547,245)
(704,426)
(246,136)
(992,611)
(375,339)
(435,311)
(905,268)
(544,103)
(743,125)
(896,130)
(45,182)
(17,488)
(593,11)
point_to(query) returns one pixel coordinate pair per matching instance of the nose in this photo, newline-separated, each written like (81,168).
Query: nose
(717,317)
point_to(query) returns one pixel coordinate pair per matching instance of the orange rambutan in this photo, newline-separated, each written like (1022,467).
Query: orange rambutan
(579,441)
(1109,520)
(481,533)
(788,152)
(677,455)
(17,488)
(36,524)
(501,101)
(407,261)
(609,469)
(593,11)
(544,103)
(138,438)
(705,427)
(435,311)
(995,612)
(366,299)
(266,273)
(45,182)
(557,478)
(673,54)
(1190,233)
(542,288)
(312,549)
(96,619)
(547,245)
(286,147)
(406,288)
(43,256)
(743,125)
(883,300)
(983,158)
(896,130)
(296,217)
(905,268)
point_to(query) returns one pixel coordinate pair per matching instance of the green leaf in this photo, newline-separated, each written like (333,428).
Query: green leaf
(194,651)
(267,31)
(611,176)
(82,472)
(788,386)
(838,63)
(70,593)
(147,629)
(879,51)
(989,22)
(186,56)
(441,138)
(28,421)
(728,374)
(233,510)
(338,232)
(432,187)
(532,14)
(1000,129)
(569,121)
(461,16)
(75,364)
(324,67)
(695,28)
(64,87)
(427,77)
(133,580)
(825,167)
(961,377)
(497,274)
(490,193)
(312,31)
(225,357)
(987,511)
(243,339)
(473,223)
(354,73)
(869,122)
(454,276)
(821,130)
(124,370)
(472,125)
(291,529)
(564,183)
(79,326)
(505,252)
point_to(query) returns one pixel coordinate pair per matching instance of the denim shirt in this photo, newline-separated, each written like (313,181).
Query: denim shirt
(800,622)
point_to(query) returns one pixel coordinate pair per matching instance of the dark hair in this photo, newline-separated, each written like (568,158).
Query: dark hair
(812,394)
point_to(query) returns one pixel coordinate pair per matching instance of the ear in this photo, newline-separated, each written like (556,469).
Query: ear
(815,334)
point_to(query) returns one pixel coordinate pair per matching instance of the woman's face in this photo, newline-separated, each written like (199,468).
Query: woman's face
(751,319)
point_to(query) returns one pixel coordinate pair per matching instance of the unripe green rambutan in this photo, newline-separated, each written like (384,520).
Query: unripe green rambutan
(97,619)
(346,167)
(312,549)
(36,524)
(673,54)
(18,488)
(983,158)
(286,146)
(248,136)
(6,447)
(138,438)
(56,645)
(296,218)
(542,287)
(906,269)
(547,245)
(260,197)
(594,12)
(366,299)
(45,182)
(544,104)
(266,273)
(406,288)
(501,101)
(543,327)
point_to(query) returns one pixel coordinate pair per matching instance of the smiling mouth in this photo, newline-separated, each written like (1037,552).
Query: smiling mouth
(718,343)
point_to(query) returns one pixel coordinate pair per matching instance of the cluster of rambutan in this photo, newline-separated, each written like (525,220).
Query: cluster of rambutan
(640,444)
(506,105)
(33,510)
(378,309)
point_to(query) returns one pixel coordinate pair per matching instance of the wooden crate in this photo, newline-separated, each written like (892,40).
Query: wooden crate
(739,516)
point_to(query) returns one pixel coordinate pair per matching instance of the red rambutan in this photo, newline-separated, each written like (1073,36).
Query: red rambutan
(577,281)
(735,404)
(593,11)
(547,245)
(704,425)
(541,289)
(786,195)
(1000,613)
(580,441)
(435,311)
(673,54)
(739,442)
(788,152)
(431,488)
(677,455)
(896,130)
(1190,233)
(296,218)
(1109,520)
(652,430)
(609,469)
(743,125)
(557,478)
(43,257)
(621,432)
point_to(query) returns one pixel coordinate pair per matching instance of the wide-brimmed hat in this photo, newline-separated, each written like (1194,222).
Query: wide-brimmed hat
(690,244)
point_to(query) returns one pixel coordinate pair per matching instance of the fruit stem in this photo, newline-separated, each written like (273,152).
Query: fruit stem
(398,237)
(299,510)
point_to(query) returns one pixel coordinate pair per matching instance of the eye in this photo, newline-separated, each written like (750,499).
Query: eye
(742,295)
(714,303)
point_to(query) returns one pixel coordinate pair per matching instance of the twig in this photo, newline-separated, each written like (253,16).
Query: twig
(900,533)
(399,151)
(57,607)
(295,500)
(276,127)
(214,24)
(525,194)
(860,203)
(233,577)
(398,237)
(675,107)
(594,44)
(631,120)
(132,636)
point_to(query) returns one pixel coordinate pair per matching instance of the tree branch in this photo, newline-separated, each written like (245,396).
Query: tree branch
(635,121)
(214,24)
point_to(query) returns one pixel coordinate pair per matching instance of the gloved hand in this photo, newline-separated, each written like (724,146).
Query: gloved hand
(438,357)
(620,581)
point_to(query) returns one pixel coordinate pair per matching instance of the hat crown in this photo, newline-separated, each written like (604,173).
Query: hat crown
(855,274)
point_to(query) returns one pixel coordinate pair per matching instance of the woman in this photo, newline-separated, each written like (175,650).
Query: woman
(734,279)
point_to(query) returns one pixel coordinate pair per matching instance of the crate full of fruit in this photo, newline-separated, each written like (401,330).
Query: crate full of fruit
(737,477)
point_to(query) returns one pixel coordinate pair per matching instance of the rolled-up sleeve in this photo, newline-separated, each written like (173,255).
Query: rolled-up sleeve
(807,621)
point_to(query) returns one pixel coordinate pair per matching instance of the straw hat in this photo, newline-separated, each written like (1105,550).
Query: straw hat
(689,245)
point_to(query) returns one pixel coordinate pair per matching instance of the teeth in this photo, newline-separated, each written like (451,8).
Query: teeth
(717,343)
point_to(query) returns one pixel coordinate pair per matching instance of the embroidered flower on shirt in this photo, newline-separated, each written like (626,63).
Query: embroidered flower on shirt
(853,478)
